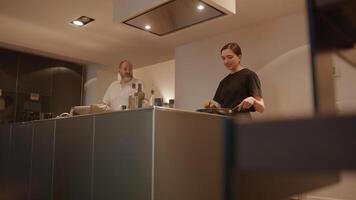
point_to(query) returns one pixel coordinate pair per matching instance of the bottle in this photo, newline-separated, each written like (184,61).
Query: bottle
(140,95)
(152,98)
(132,100)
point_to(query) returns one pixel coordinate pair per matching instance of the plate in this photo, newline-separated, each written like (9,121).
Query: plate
(220,111)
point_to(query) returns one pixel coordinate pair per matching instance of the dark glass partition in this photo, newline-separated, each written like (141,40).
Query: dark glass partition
(34,87)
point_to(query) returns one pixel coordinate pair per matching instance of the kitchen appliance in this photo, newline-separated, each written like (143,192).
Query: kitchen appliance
(162,17)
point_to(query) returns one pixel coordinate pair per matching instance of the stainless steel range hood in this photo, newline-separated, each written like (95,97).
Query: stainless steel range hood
(168,16)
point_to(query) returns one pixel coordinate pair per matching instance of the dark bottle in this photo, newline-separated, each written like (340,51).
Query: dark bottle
(140,96)
(132,101)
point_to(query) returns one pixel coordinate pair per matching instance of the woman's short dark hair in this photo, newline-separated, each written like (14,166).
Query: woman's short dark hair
(234,47)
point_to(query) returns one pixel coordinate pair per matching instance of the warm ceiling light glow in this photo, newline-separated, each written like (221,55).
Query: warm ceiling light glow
(200,7)
(81,21)
(147,27)
(78,23)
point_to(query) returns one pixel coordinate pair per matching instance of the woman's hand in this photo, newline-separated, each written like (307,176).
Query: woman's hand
(211,104)
(256,102)
(246,103)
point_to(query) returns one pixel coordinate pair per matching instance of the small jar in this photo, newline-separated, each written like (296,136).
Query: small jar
(158,102)
(171,103)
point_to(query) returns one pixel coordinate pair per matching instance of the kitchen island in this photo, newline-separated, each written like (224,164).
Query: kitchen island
(114,155)
(160,153)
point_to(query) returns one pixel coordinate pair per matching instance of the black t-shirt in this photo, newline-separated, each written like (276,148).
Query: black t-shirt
(236,87)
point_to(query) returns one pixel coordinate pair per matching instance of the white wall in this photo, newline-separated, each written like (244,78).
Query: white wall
(287,85)
(345,82)
(90,85)
(97,80)
(277,50)
(159,77)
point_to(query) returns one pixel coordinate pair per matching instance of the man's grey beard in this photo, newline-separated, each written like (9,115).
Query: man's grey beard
(126,78)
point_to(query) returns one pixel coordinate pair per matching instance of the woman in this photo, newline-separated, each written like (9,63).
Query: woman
(240,90)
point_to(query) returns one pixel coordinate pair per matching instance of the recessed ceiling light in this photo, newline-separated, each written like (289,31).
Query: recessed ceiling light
(147,27)
(200,7)
(78,23)
(81,21)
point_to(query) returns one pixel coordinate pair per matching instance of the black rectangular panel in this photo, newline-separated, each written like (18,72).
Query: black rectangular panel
(332,23)
(8,114)
(188,156)
(8,70)
(20,161)
(4,145)
(319,143)
(73,159)
(123,156)
(8,76)
(35,75)
(4,158)
(42,158)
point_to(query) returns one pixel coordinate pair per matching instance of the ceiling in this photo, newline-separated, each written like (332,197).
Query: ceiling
(42,27)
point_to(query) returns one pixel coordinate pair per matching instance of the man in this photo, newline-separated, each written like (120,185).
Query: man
(117,94)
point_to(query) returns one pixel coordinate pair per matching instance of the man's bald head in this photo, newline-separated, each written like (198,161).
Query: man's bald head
(125,71)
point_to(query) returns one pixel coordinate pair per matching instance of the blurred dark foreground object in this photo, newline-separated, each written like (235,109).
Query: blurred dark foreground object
(333,23)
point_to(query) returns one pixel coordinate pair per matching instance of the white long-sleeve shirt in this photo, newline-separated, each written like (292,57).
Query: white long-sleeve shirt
(117,94)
